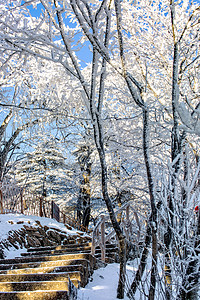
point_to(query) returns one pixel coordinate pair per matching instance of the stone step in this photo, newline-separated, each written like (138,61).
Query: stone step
(68,246)
(110,258)
(108,248)
(35,295)
(62,276)
(70,250)
(78,240)
(33,286)
(45,270)
(61,251)
(45,264)
(29,259)
(59,247)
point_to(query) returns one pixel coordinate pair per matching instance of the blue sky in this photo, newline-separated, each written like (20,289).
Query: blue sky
(84,54)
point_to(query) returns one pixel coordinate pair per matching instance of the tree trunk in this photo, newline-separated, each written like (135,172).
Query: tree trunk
(83,203)
(116,226)
(86,211)
(122,259)
(175,150)
(153,224)
(190,286)
(143,262)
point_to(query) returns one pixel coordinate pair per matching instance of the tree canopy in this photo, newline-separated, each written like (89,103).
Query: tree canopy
(103,98)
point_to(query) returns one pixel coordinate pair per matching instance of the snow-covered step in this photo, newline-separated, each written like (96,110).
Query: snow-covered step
(33,286)
(60,247)
(44,258)
(54,269)
(35,295)
(78,249)
(111,251)
(45,264)
(62,276)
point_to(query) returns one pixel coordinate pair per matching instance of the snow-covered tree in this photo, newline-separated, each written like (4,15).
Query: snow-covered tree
(144,56)
(45,173)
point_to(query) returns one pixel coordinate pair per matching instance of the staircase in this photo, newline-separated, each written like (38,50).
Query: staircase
(50,273)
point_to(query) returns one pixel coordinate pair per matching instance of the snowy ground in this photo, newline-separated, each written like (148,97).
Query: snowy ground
(104,284)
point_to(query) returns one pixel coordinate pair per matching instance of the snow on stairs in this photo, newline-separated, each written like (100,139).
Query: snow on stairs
(44,272)
(111,250)
(45,275)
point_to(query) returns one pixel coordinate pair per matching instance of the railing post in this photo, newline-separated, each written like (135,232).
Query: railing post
(1,199)
(64,218)
(93,244)
(22,204)
(128,213)
(41,212)
(103,250)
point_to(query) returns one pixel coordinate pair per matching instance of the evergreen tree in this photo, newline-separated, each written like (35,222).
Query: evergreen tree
(44,172)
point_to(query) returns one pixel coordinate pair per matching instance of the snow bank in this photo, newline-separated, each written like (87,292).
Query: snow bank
(14,222)
(10,222)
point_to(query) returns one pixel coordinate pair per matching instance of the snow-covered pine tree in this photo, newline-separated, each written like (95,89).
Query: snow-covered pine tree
(44,172)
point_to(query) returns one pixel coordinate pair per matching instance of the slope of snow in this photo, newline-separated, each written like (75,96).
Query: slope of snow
(9,222)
